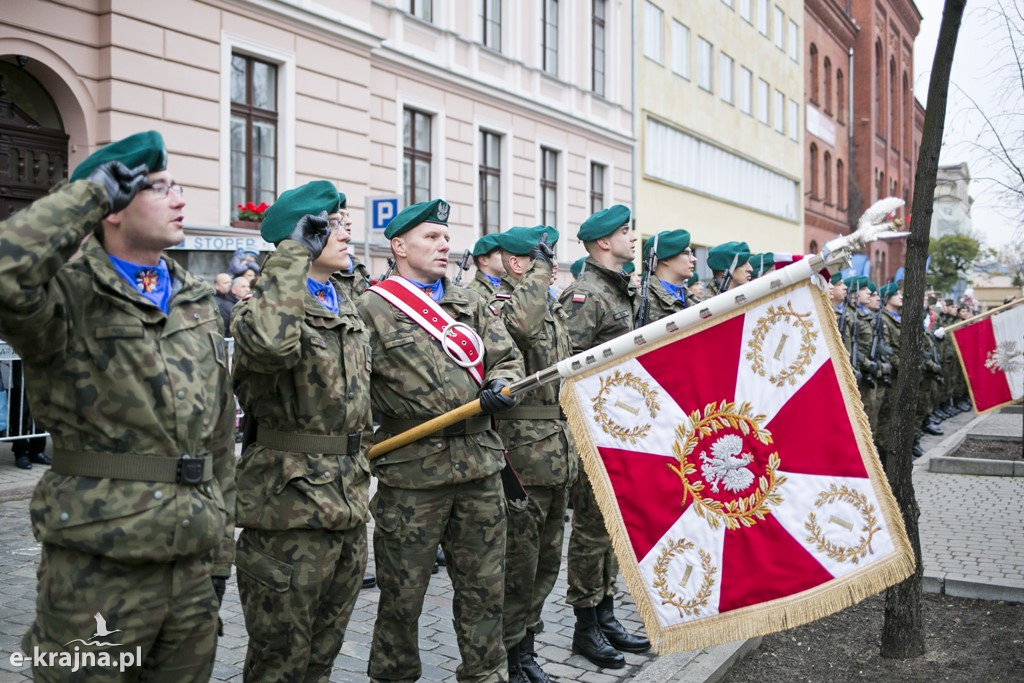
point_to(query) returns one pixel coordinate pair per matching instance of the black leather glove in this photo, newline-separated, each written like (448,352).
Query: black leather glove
(542,251)
(120,182)
(312,232)
(220,584)
(492,400)
(870,366)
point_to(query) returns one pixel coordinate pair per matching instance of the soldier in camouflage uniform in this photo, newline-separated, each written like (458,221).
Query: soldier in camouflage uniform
(444,488)
(601,305)
(302,376)
(891,334)
(126,366)
(353,279)
(487,259)
(538,443)
(868,305)
(730,265)
(668,290)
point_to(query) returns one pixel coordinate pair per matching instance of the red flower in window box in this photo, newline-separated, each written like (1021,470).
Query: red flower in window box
(252,212)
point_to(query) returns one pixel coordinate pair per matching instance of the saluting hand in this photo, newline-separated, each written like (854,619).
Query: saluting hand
(120,182)
(312,232)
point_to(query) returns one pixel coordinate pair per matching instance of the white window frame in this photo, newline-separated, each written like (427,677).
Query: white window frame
(763,19)
(561,202)
(478,20)
(505,159)
(763,105)
(745,92)
(726,89)
(654,41)
(779,26)
(794,121)
(779,109)
(746,12)
(794,41)
(230,44)
(681,49)
(438,153)
(705,75)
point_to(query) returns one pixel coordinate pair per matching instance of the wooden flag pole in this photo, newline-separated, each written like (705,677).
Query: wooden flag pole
(873,225)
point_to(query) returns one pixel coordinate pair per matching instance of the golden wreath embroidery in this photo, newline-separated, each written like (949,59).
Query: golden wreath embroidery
(604,394)
(837,551)
(801,321)
(727,466)
(693,606)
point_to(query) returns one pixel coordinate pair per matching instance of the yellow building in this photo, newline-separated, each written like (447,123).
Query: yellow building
(719,122)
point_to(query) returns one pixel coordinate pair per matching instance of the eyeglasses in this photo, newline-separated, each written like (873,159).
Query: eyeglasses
(338,224)
(687,252)
(161,189)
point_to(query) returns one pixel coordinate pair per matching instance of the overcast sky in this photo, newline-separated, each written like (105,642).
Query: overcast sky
(978,69)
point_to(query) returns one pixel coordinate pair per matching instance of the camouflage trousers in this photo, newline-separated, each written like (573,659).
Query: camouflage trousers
(468,521)
(165,611)
(297,588)
(533,556)
(870,396)
(591,562)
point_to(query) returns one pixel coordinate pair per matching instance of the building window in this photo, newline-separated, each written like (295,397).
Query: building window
(827,63)
(840,185)
(907,114)
(794,120)
(490,182)
(780,28)
(762,101)
(880,189)
(598,54)
(725,77)
(780,112)
(417,157)
(745,10)
(596,187)
(812,65)
(680,49)
(254,115)
(763,7)
(423,9)
(794,41)
(828,178)
(814,171)
(548,186)
(894,106)
(549,36)
(840,97)
(879,118)
(704,66)
(744,89)
(653,32)
(490,23)
(727,2)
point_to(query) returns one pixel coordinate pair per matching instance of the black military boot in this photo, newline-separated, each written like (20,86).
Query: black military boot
(917,451)
(589,641)
(528,660)
(515,669)
(614,631)
(931,428)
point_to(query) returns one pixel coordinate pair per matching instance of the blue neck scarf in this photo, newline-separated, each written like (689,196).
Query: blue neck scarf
(896,316)
(495,281)
(152,282)
(678,291)
(324,293)
(435,290)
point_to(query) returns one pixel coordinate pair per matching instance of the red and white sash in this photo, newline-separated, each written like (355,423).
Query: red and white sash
(425,312)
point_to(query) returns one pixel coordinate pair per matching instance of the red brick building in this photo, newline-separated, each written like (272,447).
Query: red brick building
(884,153)
(829,37)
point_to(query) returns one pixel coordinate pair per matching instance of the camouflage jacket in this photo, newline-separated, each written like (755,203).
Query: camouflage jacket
(601,305)
(662,304)
(481,285)
(891,335)
(413,379)
(537,448)
(300,368)
(108,372)
(865,327)
(355,283)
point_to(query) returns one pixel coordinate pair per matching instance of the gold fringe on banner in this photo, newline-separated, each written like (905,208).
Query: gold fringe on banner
(776,615)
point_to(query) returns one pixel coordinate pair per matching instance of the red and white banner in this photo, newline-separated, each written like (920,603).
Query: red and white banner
(734,466)
(991,350)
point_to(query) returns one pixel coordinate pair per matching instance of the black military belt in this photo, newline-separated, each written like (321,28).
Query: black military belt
(297,442)
(187,470)
(531,413)
(473,425)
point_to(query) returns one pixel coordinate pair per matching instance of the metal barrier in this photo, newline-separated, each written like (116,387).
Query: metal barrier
(16,421)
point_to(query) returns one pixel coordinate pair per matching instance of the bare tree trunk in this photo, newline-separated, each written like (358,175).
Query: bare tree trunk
(903,631)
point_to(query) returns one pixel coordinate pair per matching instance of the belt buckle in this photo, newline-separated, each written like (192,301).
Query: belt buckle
(190,470)
(457,429)
(354,441)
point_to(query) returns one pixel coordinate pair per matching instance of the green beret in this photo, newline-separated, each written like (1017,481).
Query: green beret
(836,279)
(312,198)
(721,257)
(434,211)
(603,223)
(872,287)
(485,245)
(762,263)
(886,291)
(577,267)
(142,148)
(670,243)
(692,280)
(342,201)
(629,268)
(519,241)
(855,282)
